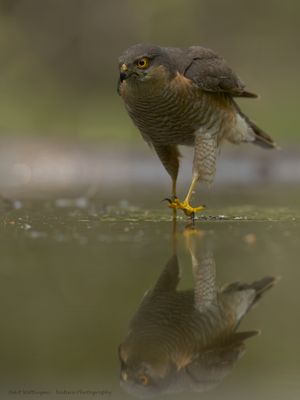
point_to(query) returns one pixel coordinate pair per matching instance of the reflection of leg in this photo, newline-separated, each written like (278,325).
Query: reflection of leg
(174,235)
(169,278)
(204,270)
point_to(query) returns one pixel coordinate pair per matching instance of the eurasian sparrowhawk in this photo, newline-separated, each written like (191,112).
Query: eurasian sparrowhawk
(185,96)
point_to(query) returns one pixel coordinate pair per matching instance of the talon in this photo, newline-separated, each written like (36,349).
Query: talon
(172,202)
(184,206)
(189,210)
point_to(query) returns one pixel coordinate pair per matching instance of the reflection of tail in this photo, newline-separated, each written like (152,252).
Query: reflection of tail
(242,296)
(261,286)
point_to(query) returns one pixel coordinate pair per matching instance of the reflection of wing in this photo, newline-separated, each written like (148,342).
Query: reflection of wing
(169,278)
(166,284)
(211,366)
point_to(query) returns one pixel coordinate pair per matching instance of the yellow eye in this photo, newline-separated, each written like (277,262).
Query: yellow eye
(143,63)
(144,379)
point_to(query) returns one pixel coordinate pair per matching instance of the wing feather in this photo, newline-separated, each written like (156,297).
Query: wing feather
(212,74)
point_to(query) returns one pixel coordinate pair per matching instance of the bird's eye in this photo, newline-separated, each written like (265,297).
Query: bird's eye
(143,63)
(144,379)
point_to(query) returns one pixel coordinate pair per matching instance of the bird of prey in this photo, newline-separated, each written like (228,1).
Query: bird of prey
(187,340)
(185,96)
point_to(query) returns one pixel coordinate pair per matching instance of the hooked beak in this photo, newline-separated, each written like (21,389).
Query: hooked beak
(123,76)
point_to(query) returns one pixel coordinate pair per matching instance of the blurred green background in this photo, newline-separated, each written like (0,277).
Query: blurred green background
(58,59)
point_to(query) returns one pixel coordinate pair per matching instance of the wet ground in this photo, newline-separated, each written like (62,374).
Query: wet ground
(73,273)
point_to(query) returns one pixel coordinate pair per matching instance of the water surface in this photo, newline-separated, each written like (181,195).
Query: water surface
(74,272)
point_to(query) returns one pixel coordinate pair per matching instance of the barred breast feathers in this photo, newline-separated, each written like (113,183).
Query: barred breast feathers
(169,111)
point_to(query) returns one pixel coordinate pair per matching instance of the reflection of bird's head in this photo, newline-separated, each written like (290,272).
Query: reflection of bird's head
(144,62)
(144,373)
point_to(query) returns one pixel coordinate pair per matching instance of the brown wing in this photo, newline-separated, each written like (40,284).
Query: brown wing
(212,73)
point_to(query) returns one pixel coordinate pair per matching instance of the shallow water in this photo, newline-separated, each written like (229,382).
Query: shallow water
(73,273)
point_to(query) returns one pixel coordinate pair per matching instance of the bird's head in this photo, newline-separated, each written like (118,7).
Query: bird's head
(144,63)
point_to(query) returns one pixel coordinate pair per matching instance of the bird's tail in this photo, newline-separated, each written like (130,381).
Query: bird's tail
(262,138)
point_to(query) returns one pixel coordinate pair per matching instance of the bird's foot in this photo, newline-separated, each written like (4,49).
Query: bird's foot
(190,211)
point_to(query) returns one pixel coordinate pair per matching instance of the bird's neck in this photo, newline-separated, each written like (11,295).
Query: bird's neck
(147,88)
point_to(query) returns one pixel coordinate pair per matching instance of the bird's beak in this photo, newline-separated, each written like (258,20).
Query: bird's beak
(124,376)
(123,72)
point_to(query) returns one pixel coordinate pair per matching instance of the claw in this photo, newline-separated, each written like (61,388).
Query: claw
(184,206)
(170,200)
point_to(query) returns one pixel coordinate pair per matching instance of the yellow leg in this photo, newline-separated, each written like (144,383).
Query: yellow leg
(174,197)
(185,205)
(190,192)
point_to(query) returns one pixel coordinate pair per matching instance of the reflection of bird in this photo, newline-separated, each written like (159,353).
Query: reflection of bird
(186,340)
(185,96)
